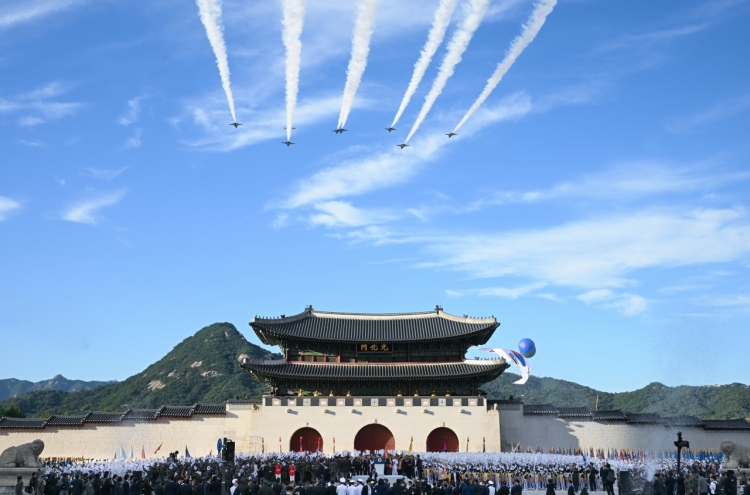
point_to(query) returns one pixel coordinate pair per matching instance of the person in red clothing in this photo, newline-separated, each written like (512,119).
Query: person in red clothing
(277,471)
(292,472)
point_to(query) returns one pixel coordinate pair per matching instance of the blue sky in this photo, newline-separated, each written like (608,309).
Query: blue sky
(597,202)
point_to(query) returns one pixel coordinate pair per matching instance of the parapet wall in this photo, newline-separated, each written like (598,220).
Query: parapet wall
(549,431)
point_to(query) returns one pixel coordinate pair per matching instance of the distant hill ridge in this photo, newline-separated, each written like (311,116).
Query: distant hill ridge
(201,368)
(11,387)
(204,368)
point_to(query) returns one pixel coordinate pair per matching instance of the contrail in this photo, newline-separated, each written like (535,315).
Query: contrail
(294,17)
(367,11)
(210,12)
(530,30)
(475,11)
(434,39)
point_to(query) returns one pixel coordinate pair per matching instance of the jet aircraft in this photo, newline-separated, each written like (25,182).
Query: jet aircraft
(451,134)
(287,143)
(389,129)
(403,145)
(339,131)
(235,124)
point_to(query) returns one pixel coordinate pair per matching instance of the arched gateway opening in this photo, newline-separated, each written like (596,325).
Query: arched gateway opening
(374,437)
(442,440)
(306,440)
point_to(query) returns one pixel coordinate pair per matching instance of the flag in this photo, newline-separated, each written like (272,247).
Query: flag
(279,445)
(131,452)
(334,446)
(123,456)
(411,442)
(187,453)
(445,444)
(318,449)
(483,445)
(158,448)
(143,451)
(114,459)
(515,358)
(262,445)
(300,444)
(467,444)
(219,446)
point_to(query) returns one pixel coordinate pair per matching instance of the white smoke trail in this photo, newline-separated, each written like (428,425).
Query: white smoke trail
(294,17)
(367,11)
(530,30)
(434,39)
(475,10)
(210,12)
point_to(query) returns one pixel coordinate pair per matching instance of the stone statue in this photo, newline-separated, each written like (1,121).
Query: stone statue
(22,455)
(735,455)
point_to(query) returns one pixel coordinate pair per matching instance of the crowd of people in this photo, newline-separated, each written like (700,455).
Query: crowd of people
(304,473)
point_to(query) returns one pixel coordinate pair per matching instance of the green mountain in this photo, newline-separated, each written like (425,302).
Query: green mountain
(11,387)
(204,368)
(201,368)
(706,402)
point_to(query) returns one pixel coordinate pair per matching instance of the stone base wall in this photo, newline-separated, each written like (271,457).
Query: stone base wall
(249,424)
(103,441)
(548,431)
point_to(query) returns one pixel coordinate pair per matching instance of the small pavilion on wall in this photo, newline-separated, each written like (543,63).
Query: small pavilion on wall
(353,354)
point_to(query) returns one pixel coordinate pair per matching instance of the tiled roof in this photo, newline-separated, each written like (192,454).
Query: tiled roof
(375,371)
(65,420)
(685,421)
(22,422)
(176,411)
(142,414)
(574,412)
(609,415)
(539,409)
(350,327)
(644,419)
(245,401)
(104,417)
(728,424)
(210,409)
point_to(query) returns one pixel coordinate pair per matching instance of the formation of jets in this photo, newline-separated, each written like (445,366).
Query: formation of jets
(342,130)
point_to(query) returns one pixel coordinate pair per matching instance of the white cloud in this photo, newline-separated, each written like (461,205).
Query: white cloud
(597,295)
(725,300)
(134,110)
(31,142)
(624,182)
(649,39)
(507,292)
(722,110)
(101,173)
(628,304)
(343,214)
(134,141)
(674,289)
(387,168)
(31,10)
(7,205)
(258,125)
(36,107)
(600,252)
(86,211)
